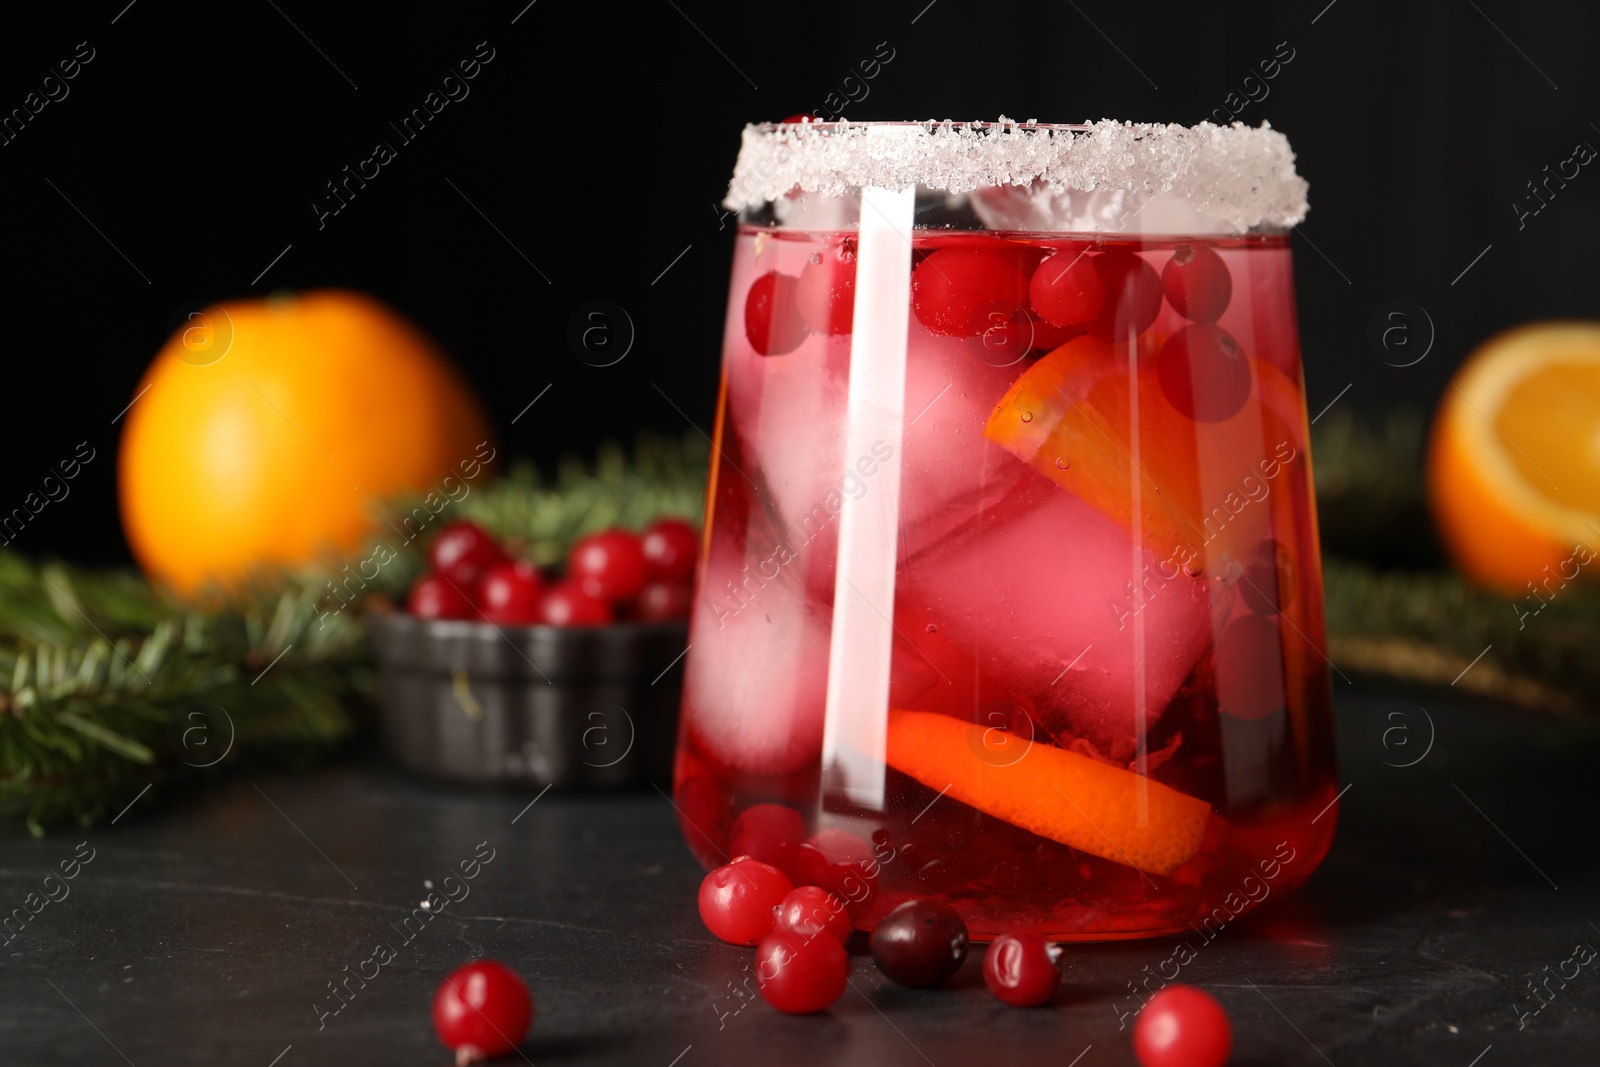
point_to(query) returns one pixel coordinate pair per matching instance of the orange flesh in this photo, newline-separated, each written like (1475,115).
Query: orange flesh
(1552,416)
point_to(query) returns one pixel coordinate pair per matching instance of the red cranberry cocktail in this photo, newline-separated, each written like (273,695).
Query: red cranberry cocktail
(1010,593)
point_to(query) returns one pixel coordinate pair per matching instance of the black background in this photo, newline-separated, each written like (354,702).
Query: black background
(597,141)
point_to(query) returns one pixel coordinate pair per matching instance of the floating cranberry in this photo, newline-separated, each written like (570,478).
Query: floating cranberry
(1197,283)
(670,547)
(508,593)
(1020,968)
(1204,373)
(462,552)
(811,910)
(799,975)
(436,597)
(1249,662)
(957,290)
(772,322)
(736,899)
(661,601)
(566,604)
(771,833)
(1182,1027)
(1067,289)
(609,565)
(920,943)
(800,119)
(1133,296)
(481,1011)
(826,294)
(1269,579)
(841,863)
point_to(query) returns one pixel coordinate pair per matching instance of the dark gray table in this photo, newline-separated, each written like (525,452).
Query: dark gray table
(208,930)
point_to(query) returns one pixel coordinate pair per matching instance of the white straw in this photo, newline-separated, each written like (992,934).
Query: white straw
(857,715)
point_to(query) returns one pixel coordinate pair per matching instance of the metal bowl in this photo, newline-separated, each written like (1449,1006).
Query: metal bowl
(531,705)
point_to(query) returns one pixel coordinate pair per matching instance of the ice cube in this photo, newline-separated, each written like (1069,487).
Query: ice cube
(1060,611)
(789,412)
(757,670)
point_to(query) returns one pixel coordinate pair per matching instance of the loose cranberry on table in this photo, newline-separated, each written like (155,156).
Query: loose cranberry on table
(1133,296)
(957,291)
(462,552)
(661,600)
(920,943)
(482,1010)
(771,833)
(609,565)
(1197,283)
(670,547)
(811,910)
(508,593)
(1020,968)
(1182,1027)
(738,898)
(772,320)
(436,597)
(841,863)
(566,604)
(797,974)
(1204,373)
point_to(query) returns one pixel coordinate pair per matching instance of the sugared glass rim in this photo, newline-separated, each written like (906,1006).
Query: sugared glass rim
(1241,177)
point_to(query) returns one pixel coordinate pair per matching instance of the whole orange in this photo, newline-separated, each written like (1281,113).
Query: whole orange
(265,432)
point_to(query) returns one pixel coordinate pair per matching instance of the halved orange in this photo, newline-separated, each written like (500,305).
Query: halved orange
(1514,460)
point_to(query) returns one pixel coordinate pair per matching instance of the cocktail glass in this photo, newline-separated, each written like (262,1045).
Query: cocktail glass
(1010,592)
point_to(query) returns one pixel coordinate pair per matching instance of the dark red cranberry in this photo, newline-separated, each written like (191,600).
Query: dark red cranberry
(566,604)
(738,898)
(670,547)
(772,322)
(1133,296)
(1197,283)
(1020,968)
(482,1011)
(958,290)
(1067,289)
(826,294)
(437,597)
(811,910)
(609,565)
(1204,373)
(462,552)
(771,833)
(508,593)
(800,975)
(920,943)
(800,119)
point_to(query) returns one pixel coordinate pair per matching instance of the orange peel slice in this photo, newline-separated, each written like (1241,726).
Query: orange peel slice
(1094,807)
(1188,489)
